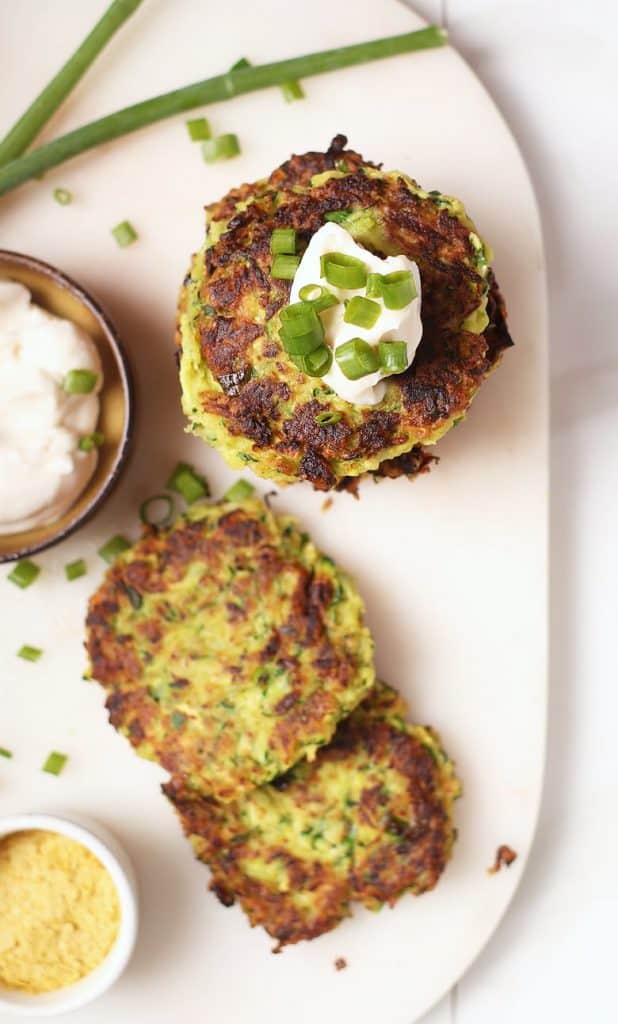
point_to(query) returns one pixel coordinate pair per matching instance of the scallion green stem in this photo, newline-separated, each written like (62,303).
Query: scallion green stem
(211,90)
(47,102)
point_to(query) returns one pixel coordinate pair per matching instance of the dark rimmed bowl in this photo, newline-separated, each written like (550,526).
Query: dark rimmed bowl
(57,293)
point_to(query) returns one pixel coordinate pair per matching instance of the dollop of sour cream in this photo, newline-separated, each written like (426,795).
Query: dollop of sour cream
(392,324)
(42,470)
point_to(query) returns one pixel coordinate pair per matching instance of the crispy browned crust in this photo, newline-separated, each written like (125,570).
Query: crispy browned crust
(254,577)
(412,835)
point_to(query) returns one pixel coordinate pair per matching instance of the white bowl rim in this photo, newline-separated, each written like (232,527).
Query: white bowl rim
(107,849)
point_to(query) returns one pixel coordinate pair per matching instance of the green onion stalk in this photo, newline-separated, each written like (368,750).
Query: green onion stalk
(211,90)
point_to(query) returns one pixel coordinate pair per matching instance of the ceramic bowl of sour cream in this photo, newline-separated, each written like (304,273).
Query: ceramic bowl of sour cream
(66,406)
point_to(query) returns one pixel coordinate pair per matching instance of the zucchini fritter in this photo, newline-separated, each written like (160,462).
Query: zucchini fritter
(229,646)
(368,820)
(241,391)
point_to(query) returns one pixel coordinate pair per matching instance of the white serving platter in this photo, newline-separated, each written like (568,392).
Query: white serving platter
(453,567)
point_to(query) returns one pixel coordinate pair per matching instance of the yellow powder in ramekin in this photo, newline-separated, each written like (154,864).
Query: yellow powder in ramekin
(59,911)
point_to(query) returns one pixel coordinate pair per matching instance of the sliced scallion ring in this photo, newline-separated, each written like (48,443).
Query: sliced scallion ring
(398,289)
(373,288)
(157,510)
(302,344)
(284,267)
(301,329)
(356,358)
(199,129)
(29,653)
(63,196)
(73,570)
(55,763)
(223,147)
(79,382)
(362,312)
(24,573)
(343,271)
(318,297)
(239,491)
(124,233)
(310,292)
(185,481)
(283,240)
(393,356)
(316,363)
(114,547)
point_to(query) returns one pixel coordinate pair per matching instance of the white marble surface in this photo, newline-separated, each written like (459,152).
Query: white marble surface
(553,70)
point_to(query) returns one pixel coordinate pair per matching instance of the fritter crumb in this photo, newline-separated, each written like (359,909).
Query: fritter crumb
(504,858)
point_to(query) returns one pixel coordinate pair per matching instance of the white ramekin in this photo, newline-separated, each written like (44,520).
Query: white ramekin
(112,856)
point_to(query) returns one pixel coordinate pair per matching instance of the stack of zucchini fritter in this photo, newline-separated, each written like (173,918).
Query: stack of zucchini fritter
(243,394)
(235,654)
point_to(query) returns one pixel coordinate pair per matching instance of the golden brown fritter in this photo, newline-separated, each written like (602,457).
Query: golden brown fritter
(229,647)
(367,821)
(241,391)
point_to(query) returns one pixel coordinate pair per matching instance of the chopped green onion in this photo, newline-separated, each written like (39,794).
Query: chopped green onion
(124,233)
(185,481)
(91,441)
(319,362)
(63,196)
(55,763)
(240,64)
(292,90)
(24,573)
(338,216)
(29,653)
(310,292)
(79,382)
(356,359)
(318,297)
(177,719)
(301,329)
(285,267)
(199,129)
(239,491)
(223,147)
(283,240)
(324,419)
(393,356)
(302,344)
(316,363)
(343,271)
(397,289)
(73,570)
(362,312)
(5,753)
(114,547)
(298,318)
(148,513)
(374,286)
